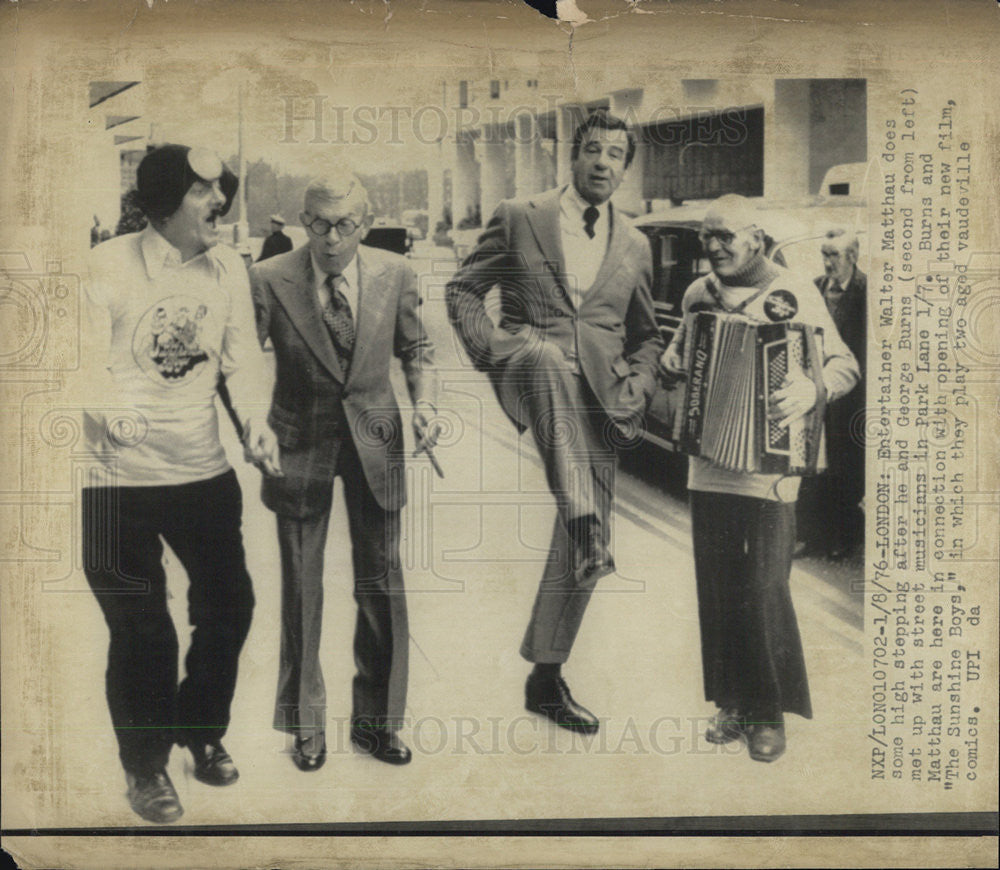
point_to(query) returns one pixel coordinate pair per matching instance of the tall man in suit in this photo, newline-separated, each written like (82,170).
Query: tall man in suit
(336,314)
(573,358)
(829,509)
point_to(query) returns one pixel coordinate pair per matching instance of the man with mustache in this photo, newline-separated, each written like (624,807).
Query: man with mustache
(168,311)
(743,523)
(573,358)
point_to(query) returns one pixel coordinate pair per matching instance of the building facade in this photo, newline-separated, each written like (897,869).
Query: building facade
(771,139)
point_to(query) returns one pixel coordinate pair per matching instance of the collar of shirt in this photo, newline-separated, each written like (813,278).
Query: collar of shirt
(572,207)
(159,255)
(842,285)
(350,289)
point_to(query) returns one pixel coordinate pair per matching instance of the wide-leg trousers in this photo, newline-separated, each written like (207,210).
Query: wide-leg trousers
(752,655)
(123,531)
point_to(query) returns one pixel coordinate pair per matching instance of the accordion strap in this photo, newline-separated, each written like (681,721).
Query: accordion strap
(736,309)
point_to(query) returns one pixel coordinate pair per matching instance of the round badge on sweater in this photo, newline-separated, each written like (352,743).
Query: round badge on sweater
(781,305)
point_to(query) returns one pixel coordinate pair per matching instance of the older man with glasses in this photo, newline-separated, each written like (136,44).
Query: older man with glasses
(743,523)
(336,313)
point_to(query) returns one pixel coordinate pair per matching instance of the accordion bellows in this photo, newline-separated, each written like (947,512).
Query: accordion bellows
(734,366)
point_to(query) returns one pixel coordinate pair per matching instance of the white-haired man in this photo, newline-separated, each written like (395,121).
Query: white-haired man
(830,516)
(743,524)
(336,314)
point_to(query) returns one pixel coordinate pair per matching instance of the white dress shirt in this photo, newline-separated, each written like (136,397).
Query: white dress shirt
(582,255)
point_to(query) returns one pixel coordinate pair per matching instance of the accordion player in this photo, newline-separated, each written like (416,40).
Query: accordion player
(734,366)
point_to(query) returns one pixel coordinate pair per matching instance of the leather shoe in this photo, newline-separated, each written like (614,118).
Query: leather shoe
(153,797)
(550,697)
(766,741)
(728,725)
(380,743)
(307,762)
(213,765)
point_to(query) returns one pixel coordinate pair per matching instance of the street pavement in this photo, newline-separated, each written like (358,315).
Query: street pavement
(473,549)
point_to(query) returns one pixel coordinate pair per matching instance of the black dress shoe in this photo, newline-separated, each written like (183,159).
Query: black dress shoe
(380,743)
(728,725)
(766,740)
(550,697)
(152,796)
(213,765)
(305,761)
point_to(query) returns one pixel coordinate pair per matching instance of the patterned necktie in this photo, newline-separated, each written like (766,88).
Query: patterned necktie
(590,216)
(339,321)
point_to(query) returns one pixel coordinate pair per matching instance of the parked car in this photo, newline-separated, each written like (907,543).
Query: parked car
(389,237)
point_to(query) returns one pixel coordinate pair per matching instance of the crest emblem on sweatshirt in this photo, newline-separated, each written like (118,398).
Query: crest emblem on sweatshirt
(168,344)
(780,305)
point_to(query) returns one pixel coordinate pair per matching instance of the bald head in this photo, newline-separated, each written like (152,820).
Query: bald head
(730,235)
(733,211)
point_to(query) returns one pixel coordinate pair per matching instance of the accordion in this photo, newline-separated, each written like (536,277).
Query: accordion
(734,366)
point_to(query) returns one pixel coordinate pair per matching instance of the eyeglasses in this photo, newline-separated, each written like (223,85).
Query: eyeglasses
(345,227)
(723,237)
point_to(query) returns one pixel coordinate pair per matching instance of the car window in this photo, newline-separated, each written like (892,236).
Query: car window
(677,261)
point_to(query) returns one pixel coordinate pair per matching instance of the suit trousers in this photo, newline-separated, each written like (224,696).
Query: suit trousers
(122,530)
(381,634)
(751,650)
(542,391)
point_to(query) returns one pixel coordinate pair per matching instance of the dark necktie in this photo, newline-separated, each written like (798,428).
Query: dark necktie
(590,216)
(339,321)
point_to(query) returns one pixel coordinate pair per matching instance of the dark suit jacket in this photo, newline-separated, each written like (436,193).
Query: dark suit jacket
(618,342)
(851,319)
(274,244)
(851,314)
(314,406)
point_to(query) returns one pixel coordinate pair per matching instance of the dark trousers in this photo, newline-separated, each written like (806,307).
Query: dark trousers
(751,650)
(829,513)
(542,392)
(381,633)
(122,531)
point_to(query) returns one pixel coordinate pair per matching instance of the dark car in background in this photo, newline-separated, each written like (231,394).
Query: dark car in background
(389,237)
